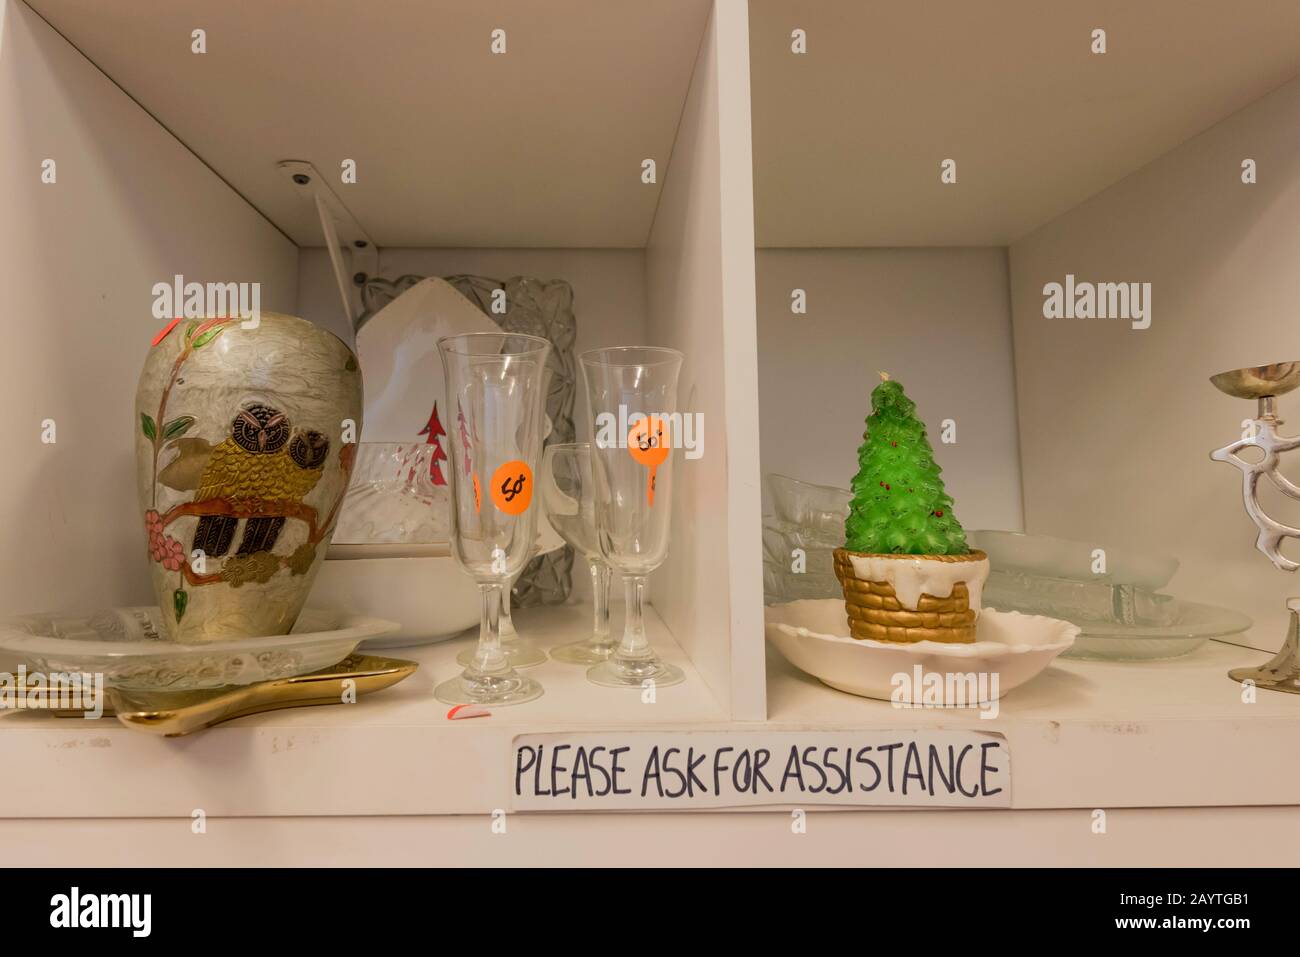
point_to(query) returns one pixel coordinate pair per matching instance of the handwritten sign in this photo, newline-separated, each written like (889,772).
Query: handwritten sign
(708,769)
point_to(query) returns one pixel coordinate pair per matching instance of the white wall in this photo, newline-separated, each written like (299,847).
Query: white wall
(938,320)
(1117,424)
(78,258)
(700,291)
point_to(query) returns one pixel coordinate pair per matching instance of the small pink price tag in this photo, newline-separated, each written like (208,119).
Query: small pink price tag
(468,711)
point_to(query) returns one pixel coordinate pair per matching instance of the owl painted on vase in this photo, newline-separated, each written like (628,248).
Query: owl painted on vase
(246,433)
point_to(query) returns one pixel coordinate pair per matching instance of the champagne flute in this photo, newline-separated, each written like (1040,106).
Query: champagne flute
(568,493)
(494,388)
(633,395)
(520,652)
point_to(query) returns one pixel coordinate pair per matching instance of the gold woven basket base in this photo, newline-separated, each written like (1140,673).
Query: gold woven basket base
(875,612)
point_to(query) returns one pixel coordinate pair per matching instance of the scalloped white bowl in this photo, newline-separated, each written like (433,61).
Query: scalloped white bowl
(812,635)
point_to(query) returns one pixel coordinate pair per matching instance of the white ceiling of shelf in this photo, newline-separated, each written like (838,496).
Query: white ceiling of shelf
(454,146)
(849,137)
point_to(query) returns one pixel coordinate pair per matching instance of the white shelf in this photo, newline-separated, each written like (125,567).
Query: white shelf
(878,839)
(1082,735)
(1105,734)
(542,148)
(454,145)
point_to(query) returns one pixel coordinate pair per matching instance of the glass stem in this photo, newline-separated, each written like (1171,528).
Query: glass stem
(507,623)
(488,657)
(600,576)
(634,648)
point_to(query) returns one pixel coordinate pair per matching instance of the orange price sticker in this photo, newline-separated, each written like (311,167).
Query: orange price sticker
(648,442)
(512,487)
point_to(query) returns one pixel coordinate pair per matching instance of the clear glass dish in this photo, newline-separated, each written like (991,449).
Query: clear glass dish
(1061,558)
(1116,621)
(397,495)
(130,648)
(818,510)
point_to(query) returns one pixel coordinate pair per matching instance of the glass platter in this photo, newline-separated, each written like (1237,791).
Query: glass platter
(128,646)
(1115,621)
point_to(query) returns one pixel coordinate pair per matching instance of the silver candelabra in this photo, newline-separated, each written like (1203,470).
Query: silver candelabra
(1265,384)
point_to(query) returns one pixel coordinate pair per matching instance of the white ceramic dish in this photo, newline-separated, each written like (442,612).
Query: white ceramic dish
(548,540)
(420,586)
(372,550)
(813,636)
(127,645)
(432,598)
(398,351)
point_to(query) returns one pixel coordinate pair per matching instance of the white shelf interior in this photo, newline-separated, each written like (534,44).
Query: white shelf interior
(415,760)
(1124,167)
(1109,734)
(1083,735)
(938,320)
(849,137)
(455,145)
(465,160)
(1119,167)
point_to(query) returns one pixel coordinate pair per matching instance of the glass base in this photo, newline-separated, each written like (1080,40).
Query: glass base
(611,675)
(497,691)
(519,654)
(585,652)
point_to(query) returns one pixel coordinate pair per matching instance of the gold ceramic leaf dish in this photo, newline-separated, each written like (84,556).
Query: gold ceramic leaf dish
(176,713)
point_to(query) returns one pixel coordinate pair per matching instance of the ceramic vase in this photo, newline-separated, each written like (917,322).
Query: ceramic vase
(246,434)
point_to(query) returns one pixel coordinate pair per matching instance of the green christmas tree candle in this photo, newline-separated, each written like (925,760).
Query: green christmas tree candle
(899,503)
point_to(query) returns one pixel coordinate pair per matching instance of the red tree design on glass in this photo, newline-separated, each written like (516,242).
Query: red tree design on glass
(433,429)
(464,437)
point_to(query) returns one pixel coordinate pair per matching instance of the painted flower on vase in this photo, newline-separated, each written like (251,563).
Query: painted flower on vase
(164,549)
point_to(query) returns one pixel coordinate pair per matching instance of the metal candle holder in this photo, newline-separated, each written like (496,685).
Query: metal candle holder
(1265,384)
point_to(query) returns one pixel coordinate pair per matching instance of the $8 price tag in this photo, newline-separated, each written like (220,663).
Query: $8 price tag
(648,443)
(512,487)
